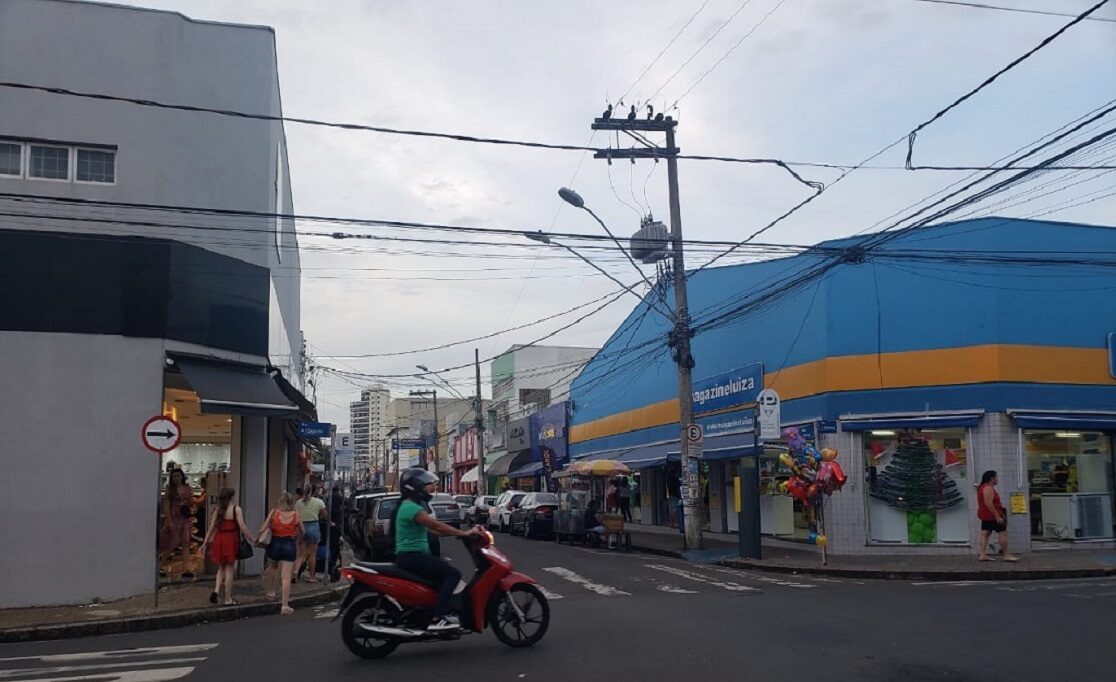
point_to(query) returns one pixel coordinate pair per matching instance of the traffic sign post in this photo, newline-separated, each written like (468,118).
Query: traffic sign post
(161,434)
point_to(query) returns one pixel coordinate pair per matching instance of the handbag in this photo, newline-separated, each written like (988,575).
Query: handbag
(244,549)
(265,537)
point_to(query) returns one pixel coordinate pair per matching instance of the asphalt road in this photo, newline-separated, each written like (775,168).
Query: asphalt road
(636,617)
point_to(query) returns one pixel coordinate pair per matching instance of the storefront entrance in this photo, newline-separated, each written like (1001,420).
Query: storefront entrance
(1071,484)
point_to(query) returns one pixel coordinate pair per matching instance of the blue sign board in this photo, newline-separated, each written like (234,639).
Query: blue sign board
(827,426)
(314,429)
(549,433)
(408,443)
(737,421)
(728,389)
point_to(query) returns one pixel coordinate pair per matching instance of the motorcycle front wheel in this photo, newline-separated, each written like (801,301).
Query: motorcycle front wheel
(520,616)
(368,644)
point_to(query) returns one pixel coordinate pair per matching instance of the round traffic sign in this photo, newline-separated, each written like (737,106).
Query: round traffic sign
(161,434)
(694,433)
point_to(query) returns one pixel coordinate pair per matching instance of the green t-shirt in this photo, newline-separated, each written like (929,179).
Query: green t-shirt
(308,509)
(410,536)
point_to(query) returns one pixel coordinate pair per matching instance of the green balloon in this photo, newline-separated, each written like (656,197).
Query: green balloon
(916,531)
(926,518)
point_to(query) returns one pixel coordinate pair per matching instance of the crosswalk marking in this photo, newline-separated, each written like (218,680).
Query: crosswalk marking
(547,593)
(604,590)
(697,577)
(767,579)
(326,614)
(149,664)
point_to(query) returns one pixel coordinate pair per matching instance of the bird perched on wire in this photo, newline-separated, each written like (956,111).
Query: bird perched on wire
(607,113)
(632,114)
(650,112)
(659,116)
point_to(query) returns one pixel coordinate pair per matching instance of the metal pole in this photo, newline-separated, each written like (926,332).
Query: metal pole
(685,360)
(437,435)
(482,481)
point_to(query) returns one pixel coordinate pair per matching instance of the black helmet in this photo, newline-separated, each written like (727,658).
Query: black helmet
(413,482)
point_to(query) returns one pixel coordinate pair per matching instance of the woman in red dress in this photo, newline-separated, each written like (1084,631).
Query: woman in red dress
(223,539)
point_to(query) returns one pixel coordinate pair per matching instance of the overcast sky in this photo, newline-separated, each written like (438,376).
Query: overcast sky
(818,80)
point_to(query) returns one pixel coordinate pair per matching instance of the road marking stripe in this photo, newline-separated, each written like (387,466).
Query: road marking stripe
(156,675)
(605,590)
(326,614)
(766,579)
(547,593)
(116,653)
(675,590)
(36,672)
(697,577)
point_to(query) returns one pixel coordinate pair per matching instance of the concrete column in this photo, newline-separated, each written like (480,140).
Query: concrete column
(253,482)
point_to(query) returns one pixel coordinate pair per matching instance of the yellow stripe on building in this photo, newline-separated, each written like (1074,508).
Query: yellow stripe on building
(940,367)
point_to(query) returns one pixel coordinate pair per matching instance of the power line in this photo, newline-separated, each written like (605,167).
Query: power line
(698,51)
(663,51)
(980,5)
(991,79)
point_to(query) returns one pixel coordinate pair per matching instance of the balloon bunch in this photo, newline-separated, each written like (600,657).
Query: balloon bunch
(813,473)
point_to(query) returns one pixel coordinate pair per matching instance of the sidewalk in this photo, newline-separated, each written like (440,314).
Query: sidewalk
(179,605)
(784,557)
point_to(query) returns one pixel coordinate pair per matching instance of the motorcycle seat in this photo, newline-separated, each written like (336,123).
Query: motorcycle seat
(393,571)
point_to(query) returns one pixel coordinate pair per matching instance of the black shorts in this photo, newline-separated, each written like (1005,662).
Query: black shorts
(282,549)
(994,526)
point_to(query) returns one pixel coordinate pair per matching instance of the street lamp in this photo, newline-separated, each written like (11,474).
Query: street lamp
(574,199)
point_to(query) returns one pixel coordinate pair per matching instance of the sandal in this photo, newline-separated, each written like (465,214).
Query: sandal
(212,597)
(985,558)
(286,611)
(231,603)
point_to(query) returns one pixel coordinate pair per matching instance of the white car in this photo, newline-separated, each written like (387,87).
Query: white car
(499,516)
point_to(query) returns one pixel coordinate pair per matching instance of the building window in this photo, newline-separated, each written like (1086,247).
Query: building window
(48,163)
(96,165)
(1070,479)
(11,159)
(916,483)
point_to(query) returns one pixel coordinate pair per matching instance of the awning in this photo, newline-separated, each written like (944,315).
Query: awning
(924,422)
(728,446)
(235,389)
(529,471)
(649,456)
(469,476)
(1059,422)
(306,409)
(500,466)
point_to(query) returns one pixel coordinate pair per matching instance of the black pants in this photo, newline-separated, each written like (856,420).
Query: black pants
(626,508)
(435,570)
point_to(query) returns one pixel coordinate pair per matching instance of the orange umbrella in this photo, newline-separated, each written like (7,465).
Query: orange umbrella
(600,467)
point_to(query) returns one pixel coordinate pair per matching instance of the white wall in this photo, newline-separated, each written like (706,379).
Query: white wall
(79,488)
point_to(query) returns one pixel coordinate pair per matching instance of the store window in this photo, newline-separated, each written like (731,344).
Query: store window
(915,485)
(192,475)
(781,515)
(1070,477)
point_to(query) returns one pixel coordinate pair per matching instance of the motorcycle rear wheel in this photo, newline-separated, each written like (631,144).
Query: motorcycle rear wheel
(365,644)
(505,623)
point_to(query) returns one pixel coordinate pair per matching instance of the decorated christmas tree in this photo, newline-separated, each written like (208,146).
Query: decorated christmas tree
(915,482)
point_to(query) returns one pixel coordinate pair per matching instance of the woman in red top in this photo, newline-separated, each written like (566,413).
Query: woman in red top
(283,531)
(223,539)
(993,517)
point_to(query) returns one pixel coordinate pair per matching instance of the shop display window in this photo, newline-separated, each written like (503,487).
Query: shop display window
(1070,484)
(915,484)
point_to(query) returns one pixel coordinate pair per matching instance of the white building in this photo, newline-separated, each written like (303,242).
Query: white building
(114,310)
(368,422)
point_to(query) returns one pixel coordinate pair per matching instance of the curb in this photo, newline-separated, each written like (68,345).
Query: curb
(175,619)
(930,576)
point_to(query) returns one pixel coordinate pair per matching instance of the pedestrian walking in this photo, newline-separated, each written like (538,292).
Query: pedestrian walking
(625,499)
(178,513)
(993,517)
(311,510)
(226,528)
(281,534)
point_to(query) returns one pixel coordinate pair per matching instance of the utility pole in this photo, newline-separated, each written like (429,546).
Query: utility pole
(478,405)
(680,334)
(422,453)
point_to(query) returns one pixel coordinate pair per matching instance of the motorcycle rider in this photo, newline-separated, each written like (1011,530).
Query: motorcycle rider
(413,523)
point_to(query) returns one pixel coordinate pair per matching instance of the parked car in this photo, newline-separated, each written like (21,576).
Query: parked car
(478,511)
(356,511)
(499,516)
(465,501)
(534,515)
(447,510)
(378,536)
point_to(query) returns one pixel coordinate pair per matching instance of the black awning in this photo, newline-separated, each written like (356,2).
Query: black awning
(225,388)
(306,409)
(500,466)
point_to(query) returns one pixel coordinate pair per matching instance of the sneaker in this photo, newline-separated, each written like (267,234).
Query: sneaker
(444,623)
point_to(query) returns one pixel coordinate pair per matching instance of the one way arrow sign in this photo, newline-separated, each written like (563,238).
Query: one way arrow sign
(161,434)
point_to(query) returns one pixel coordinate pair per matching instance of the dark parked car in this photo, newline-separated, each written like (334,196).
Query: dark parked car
(378,537)
(534,515)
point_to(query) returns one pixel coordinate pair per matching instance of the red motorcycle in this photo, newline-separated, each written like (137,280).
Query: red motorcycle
(387,606)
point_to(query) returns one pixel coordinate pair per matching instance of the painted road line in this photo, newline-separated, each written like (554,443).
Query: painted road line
(37,673)
(674,590)
(116,653)
(604,590)
(548,594)
(697,577)
(766,579)
(326,614)
(153,675)
(955,583)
